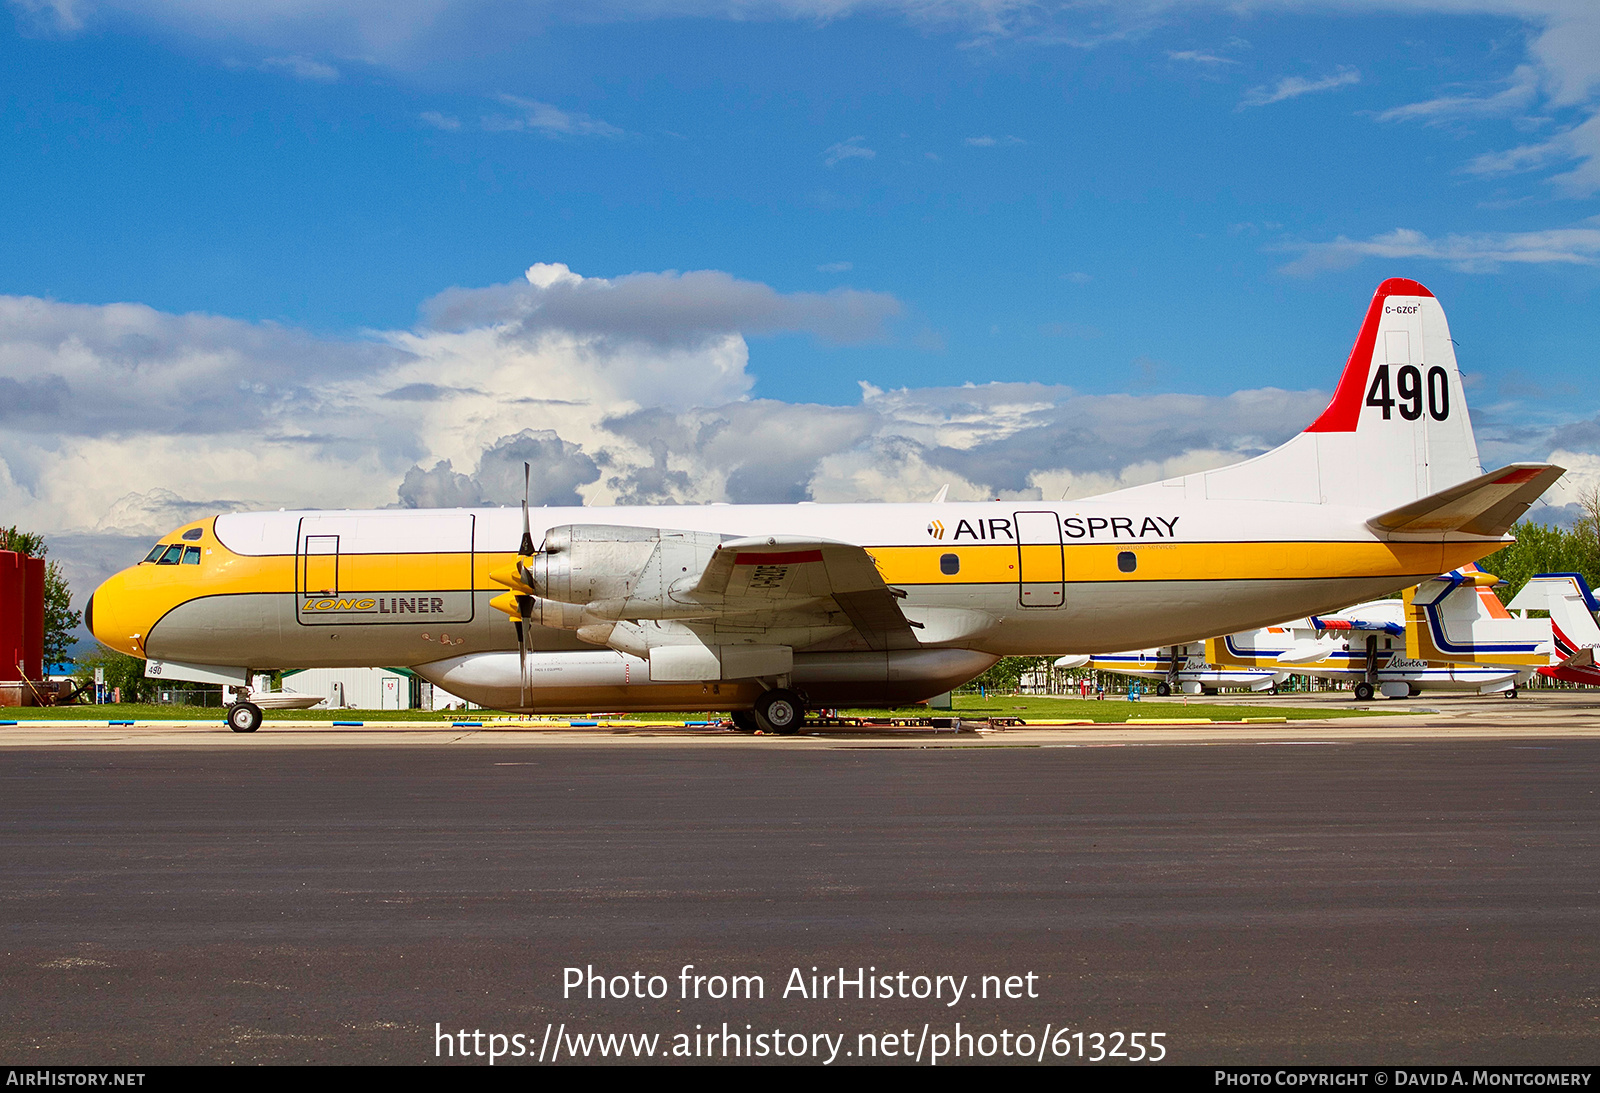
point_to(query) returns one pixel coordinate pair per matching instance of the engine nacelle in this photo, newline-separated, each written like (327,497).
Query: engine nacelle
(604,563)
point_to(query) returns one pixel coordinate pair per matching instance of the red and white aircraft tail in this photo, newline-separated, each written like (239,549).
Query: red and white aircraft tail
(1572,608)
(1396,439)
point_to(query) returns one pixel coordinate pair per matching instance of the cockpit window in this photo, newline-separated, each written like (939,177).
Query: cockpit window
(191,555)
(155,552)
(171,556)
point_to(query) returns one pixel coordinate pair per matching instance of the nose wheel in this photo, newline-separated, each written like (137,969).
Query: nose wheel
(244,717)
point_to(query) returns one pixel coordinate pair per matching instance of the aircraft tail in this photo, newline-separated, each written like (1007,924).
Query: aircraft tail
(1396,431)
(1572,607)
(1456,618)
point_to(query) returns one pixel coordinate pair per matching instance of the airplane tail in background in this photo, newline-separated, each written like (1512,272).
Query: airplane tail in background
(1457,618)
(1572,608)
(1396,434)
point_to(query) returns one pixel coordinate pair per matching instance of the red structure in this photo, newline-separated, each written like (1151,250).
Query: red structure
(21,617)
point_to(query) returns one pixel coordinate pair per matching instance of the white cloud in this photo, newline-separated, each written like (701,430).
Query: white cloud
(1197,57)
(1580,143)
(541,117)
(990,142)
(847,149)
(50,16)
(668,309)
(439,121)
(1522,87)
(1470,253)
(1293,87)
(301,68)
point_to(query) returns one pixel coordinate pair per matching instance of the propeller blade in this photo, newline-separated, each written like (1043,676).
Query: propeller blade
(526,549)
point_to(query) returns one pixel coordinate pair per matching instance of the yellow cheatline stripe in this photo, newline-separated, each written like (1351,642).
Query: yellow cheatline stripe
(1171,561)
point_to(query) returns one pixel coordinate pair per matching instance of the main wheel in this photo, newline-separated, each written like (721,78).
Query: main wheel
(1363,691)
(244,717)
(780,711)
(1512,693)
(1163,689)
(745,721)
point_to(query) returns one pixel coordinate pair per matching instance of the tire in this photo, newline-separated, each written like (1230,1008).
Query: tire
(1363,691)
(745,721)
(244,717)
(1413,691)
(780,711)
(1163,689)
(1512,693)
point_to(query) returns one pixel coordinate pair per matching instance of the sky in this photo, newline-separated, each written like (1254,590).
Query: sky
(361,254)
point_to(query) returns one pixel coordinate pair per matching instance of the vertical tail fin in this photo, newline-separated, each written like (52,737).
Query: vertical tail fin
(1395,431)
(1572,608)
(1456,618)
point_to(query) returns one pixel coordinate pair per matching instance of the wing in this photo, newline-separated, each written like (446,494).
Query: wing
(785,573)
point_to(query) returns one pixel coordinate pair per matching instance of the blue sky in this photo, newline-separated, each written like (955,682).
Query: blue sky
(1146,232)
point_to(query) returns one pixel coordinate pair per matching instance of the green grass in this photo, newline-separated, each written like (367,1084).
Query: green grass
(1028,707)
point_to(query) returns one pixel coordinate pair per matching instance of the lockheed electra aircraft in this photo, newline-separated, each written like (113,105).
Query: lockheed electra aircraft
(765,610)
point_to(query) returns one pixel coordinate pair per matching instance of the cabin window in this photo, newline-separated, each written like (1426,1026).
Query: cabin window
(1127,561)
(949,565)
(171,556)
(191,555)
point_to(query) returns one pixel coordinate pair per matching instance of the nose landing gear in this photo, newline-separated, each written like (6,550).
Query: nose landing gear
(244,717)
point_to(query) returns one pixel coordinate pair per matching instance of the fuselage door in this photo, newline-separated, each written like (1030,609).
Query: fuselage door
(319,566)
(1041,566)
(385,568)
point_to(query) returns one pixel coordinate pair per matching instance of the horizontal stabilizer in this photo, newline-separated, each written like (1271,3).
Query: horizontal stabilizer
(1487,505)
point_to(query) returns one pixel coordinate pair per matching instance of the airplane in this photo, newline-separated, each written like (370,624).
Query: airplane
(766,610)
(1181,668)
(1447,633)
(1572,607)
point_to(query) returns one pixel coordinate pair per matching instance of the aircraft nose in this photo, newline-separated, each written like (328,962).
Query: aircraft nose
(114,616)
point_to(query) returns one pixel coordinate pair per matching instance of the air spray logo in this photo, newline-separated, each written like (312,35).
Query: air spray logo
(936,529)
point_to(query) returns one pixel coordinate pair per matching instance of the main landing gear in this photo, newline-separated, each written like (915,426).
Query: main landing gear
(244,717)
(1163,689)
(1364,691)
(779,711)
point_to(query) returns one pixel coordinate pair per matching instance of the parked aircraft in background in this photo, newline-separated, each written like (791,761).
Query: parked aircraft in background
(1448,633)
(765,609)
(1181,668)
(1572,607)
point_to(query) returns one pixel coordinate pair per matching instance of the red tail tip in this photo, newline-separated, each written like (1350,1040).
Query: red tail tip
(1345,409)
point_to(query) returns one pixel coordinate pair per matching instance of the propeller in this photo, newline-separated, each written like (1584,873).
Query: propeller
(518,603)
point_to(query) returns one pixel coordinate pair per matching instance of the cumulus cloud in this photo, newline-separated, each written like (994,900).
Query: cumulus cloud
(663,309)
(1478,253)
(555,470)
(1292,87)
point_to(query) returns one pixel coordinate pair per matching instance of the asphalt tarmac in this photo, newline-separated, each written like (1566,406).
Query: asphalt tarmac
(1422,890)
